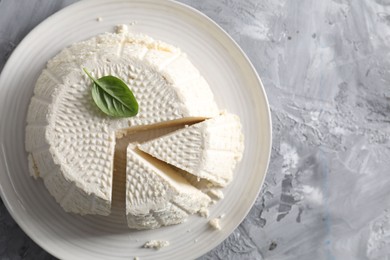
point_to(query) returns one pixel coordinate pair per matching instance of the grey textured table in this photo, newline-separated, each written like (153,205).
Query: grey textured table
(326,69)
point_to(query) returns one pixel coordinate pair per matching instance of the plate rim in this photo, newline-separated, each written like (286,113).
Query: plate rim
(20,47)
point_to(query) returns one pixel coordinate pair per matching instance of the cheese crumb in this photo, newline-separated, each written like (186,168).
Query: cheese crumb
(214,223)
(99,19)
(156,244)
(121,28)
(203,212)
(136,258)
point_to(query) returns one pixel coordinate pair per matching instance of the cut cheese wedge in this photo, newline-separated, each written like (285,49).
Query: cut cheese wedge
(71,142)
(208,150)
(156,194)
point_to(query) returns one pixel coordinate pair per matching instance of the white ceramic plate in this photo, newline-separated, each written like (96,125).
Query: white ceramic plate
(236,87)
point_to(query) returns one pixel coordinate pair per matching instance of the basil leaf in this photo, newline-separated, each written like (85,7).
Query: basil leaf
(113,96)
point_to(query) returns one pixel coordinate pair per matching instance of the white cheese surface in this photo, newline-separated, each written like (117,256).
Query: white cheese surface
(71,142)
(209,150)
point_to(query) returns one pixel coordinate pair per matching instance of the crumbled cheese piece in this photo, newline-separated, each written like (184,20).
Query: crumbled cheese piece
(214,223)
(136,258)
(203,212)
(156,244)
(222,215)
(99,19)
(121,28)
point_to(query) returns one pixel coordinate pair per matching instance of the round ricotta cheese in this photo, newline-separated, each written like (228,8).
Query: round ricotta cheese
(71,143)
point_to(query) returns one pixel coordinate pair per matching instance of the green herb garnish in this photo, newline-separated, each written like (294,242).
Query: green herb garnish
(113,96)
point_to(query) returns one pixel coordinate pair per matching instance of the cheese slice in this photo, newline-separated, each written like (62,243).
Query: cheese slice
(208,150)
(157,195)
(71,143)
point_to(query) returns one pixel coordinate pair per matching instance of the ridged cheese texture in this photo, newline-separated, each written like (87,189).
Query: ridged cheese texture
(71,143)
(209,150)
(156,195)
